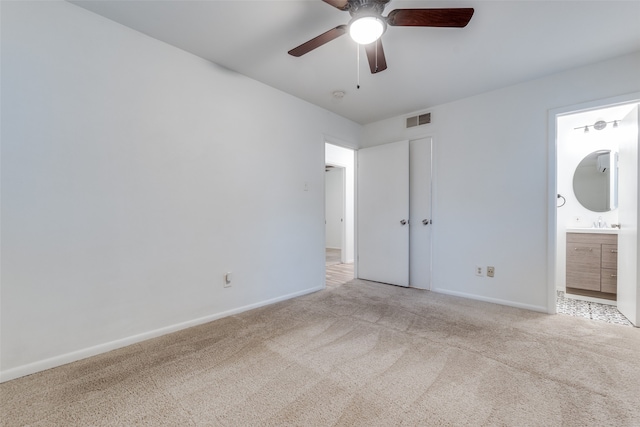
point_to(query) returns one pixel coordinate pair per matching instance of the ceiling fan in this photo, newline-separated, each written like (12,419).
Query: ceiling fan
(367,26)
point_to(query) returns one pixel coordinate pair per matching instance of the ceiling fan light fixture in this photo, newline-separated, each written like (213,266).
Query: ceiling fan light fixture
(366,29)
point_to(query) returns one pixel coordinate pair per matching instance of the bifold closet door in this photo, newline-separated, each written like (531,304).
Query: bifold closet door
(383,213)
(420,213)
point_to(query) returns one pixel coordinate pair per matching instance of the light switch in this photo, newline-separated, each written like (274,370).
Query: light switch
(227,280)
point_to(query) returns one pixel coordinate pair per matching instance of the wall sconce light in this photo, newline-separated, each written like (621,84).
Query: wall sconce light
(599,125)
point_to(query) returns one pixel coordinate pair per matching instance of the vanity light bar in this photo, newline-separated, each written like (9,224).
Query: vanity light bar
(599,125)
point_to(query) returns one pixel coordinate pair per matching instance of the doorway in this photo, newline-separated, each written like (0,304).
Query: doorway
(339,214)
(596,188)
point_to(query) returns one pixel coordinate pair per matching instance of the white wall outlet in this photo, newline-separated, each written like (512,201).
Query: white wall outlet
(491,271)
(478,270)
(227,280)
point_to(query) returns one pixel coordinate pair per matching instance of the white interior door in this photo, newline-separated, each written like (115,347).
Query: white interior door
(628,163)
(334,209)
(383,213)
(420,213)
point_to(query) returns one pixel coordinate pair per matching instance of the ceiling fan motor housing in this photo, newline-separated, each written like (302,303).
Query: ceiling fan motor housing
(358,8)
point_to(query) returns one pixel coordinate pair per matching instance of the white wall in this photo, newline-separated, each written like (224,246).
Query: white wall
(334,207)
(132,181)
(491,173)
(345,157)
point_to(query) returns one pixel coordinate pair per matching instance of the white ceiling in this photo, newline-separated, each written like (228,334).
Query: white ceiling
(505,43)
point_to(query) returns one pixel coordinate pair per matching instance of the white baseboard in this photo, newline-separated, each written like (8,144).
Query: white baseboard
(540,309)
(63,359)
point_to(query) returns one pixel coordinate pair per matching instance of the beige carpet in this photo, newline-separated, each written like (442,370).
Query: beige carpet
(361,354)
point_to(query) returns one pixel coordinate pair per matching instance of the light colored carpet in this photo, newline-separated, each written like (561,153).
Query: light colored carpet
(361,354)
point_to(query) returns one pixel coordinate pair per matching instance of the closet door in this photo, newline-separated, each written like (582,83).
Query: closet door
(420,213)
(383,213)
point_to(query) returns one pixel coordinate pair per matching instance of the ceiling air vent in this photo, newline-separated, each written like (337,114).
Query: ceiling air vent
(420,120)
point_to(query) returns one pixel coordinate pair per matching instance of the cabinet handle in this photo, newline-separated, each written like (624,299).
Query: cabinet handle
(584,249)
(614,275)
(614,251)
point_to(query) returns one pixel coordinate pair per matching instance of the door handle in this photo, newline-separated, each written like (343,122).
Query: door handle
(403,222)
(426,221)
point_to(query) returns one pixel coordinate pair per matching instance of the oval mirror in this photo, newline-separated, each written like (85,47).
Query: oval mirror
(595,181)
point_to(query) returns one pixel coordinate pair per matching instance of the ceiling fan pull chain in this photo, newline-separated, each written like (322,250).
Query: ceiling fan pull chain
(377,55)
(357,65)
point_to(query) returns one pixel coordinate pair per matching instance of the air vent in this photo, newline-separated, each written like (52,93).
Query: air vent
(420,120)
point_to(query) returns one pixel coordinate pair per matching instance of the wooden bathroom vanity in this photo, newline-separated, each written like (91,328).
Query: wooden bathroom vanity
(592,264)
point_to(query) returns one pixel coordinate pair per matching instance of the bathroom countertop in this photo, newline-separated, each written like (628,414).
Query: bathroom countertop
(593,230)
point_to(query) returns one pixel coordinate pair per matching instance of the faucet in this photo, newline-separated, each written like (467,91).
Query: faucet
(599,222)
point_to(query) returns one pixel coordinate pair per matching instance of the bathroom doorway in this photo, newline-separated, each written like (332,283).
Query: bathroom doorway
(595,182)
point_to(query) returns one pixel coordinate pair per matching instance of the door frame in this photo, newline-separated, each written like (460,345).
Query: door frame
(552,181)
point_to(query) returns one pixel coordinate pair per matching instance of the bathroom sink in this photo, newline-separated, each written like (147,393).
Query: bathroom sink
(606,230)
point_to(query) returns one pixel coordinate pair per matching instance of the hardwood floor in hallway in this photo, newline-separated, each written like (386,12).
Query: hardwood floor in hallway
(337,274)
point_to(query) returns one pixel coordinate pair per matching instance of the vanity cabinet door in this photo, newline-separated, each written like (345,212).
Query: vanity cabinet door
(610,256)
(609,280)
(583,265)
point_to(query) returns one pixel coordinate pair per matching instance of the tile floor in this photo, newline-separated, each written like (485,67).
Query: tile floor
(590,310)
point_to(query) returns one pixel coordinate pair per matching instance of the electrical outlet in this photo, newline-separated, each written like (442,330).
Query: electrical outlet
(491,271)
(478,270)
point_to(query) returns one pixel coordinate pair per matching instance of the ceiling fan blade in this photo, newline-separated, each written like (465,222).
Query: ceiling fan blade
(430,17)
(375,55)
(323,38)
(340,4)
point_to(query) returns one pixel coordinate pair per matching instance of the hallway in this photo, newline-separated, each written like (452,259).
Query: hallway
(337,273)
